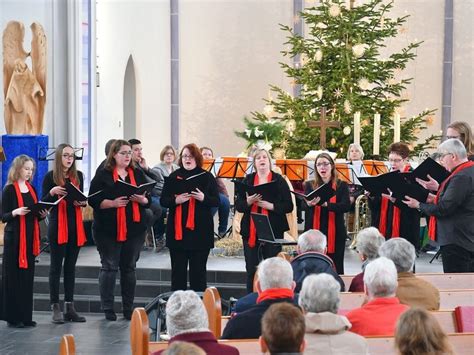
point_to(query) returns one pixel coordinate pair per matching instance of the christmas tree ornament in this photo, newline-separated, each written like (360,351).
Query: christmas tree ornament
(347,130)
(359,49)
(364,84)
(335,10)
(318,56)
(347,107)
(338,93)
(257,132)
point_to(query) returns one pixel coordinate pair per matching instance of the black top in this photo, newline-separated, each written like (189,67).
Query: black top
(202,237)
(282,204)
(48,184)
(10,203)
(105,220)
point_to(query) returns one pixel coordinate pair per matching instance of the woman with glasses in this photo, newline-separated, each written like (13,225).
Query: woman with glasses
(119,227)
(388,212)
(328,217)
(276,208)
(189,193)
(65,231)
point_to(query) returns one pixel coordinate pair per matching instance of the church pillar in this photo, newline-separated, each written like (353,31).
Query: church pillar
(447,65)
(174,30)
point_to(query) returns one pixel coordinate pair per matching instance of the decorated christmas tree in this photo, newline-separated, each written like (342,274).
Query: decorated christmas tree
(338,67)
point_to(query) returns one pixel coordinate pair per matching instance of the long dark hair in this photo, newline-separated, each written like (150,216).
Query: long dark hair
(318,181)
(58,171)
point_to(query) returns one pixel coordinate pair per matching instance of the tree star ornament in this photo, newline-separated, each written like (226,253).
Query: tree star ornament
(338,93)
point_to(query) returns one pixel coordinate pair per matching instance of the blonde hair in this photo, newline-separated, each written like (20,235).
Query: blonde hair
(257,152)
(17,164)
(356,146)
(465,132)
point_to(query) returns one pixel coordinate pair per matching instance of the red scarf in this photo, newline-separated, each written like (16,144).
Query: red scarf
(275,293)
(432,223)
(178,217)
(62,222)
(121,215)
(395,215)
(331,223)
(254,209)
(22,259)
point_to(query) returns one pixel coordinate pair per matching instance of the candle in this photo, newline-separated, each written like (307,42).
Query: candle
(376,134)
(396,127)
(357,127)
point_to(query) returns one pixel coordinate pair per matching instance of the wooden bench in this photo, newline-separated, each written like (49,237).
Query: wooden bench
(212,303)
(67,346)
(439,280)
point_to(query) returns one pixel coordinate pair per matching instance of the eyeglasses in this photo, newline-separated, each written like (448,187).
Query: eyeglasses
(320,165)
(127,153)
(396,161)
(69,156)
(453,137)
(443,155)
(187,157)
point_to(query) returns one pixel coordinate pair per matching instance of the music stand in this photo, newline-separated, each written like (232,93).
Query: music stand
(294,170)
(48,153)
(345,173)
(208,165)
(375,167)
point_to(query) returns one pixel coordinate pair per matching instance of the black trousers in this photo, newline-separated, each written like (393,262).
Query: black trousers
(68,253)
(457,259)
(114,256)
(253,256)
(197,260)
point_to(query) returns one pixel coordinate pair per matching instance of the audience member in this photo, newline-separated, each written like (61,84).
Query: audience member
(183,348)
(275,284)
(411,290)
(282,330)
(380,314)
(311,258)
(186,320)
(326,331)
(419,333)
(368,242)
(462,131)
(108,145)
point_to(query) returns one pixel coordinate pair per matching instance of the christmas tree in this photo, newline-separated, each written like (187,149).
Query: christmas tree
(338,66)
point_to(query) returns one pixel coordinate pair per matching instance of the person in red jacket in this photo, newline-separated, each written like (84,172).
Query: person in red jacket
(379,316)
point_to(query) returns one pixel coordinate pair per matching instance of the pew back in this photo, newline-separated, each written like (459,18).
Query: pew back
(67,346)
(212,303)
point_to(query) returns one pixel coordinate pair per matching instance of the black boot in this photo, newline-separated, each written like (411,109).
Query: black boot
(71,315)
(58,317)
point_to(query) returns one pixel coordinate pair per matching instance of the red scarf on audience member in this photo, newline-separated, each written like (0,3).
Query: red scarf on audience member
(432,223)
(395,216)
(121,214)
(331,223)
(178,217)
(62,222)
(275,293)
(22,259)
(254,209)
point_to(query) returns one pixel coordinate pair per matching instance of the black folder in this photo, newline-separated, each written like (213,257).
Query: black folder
(42,205)
(324,192)
(377,185)
(190,184)
(74,194)
(122,188)
(402,185)
(432,168)
(268,190)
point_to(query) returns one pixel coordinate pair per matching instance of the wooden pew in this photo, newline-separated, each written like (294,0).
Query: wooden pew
(462,343)
(67,346)
(212,303)
(439,280)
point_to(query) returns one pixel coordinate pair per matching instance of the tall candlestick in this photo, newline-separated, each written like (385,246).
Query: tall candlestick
(376,134)
(357,127)
(396,127)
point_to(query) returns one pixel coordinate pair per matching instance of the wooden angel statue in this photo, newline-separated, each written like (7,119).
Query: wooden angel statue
(24,89)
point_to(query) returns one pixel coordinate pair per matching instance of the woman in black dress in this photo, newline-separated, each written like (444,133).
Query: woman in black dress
(276,208)
(119,227)
(190,227)
(21,244)
(65,231)
(329,217)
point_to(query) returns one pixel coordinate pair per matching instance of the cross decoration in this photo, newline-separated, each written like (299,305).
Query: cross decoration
(323,125)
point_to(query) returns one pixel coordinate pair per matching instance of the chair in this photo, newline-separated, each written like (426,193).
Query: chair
(67,346)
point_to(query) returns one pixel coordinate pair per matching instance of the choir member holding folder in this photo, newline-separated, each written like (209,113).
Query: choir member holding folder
(265,192)
(189,193)
(21,244)
(119,227)
(65,230)
(328,215)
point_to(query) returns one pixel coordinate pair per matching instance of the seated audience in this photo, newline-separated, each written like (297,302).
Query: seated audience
(183,348)
(380,314)
(326,331)
(275,284)
(186,320)
(419,333)
(368,243)
(411,290)
(282,330)
(312,258)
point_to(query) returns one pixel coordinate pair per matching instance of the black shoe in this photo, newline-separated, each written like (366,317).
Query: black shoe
(30,324)
(127,314)
(110,315)
(16,324)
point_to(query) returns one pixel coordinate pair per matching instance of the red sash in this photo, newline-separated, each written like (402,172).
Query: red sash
(432,223)
(274,293)
(121,214)
(254,209)
(22,259)
(178,217)
(62,222)
(331,223)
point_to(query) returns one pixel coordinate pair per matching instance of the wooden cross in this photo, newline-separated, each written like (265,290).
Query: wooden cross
(323,124)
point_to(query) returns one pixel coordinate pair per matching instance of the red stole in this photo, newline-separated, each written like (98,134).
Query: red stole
(22,259)
(331,223)
(274,293)
(432,223)
(121,214)
(178,217)
(62,222)
(254,209)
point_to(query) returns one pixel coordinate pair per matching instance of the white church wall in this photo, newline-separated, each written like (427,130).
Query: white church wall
(141,29)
